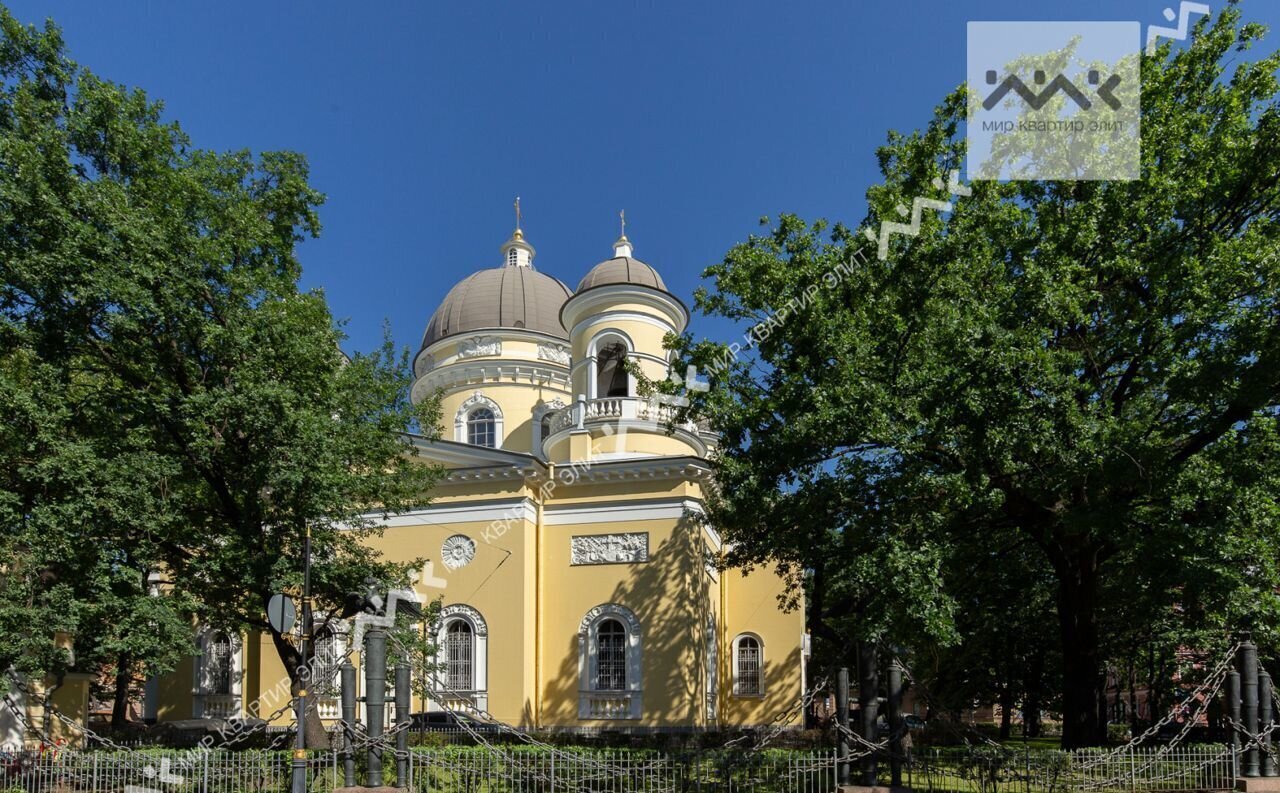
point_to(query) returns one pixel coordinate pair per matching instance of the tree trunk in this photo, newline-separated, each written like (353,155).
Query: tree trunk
(1031,703)
(120,700)
(297,668)
(1006,710)
(1081,665)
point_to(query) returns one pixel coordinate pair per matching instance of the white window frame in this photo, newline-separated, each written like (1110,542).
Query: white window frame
(479,652)
(201,681)
(737,669)
(598,342)
(588,650)
(471,403)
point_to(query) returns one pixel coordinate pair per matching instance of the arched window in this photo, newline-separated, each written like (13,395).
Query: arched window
(462,660)
(609,664)
(482,428)
(611,656)
(513,257)
(748,666)
(612,379)
(478,421)
(217,672)
(218,664)
(459,654)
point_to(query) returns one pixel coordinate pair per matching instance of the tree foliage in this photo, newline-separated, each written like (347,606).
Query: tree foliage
(186,405)
(1091,366)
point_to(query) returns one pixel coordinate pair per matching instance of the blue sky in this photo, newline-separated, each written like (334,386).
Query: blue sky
(422,121)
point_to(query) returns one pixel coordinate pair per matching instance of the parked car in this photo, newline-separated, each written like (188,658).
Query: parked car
(449,721)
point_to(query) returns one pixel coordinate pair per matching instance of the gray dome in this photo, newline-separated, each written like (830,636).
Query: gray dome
(622,270)
(502,297)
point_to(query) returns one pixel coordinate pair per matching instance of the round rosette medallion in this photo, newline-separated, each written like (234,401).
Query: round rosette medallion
(457,551)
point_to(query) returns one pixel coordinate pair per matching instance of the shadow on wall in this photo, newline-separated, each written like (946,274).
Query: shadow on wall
(670,597)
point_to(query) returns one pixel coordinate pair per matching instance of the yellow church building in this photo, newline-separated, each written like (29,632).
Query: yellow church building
(579,590)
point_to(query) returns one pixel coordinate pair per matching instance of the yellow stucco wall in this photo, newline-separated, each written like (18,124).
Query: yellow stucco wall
(522,580)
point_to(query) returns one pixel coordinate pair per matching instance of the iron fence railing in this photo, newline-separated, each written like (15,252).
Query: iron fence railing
(992,769)
(543,769)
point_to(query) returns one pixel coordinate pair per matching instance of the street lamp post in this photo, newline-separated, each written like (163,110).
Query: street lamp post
(304,672)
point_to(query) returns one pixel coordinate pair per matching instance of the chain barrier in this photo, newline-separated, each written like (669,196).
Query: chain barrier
(1207,690)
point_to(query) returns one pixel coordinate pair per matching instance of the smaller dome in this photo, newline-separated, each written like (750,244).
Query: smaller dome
(622,270)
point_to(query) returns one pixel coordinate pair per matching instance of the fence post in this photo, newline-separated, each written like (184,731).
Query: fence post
(1249,704)
(1265,704)
(1133,768)
(869,706)
(895,723)
(347,674)
(842,732)
(1233,714)
(375,699)
(402,724)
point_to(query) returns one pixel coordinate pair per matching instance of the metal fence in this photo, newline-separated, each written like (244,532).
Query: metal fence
(1155,769)
(171,771)
(509,769)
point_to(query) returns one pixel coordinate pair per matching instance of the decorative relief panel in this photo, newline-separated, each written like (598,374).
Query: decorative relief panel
(477,346)
(610,548)
(556,353)
(457,551)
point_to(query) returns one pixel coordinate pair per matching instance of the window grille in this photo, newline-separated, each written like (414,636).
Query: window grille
(325,666)
(458,653)
(218,664)
(748,677)
(611,656)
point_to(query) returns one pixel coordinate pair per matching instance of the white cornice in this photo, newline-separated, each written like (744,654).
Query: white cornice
(507,334)
(684,468)
(495,371)
(471,512)
(658,509)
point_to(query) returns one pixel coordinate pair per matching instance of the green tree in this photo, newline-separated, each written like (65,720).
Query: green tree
(167,275)
(1094,365)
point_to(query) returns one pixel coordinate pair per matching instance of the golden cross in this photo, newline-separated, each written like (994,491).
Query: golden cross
(517,213)
(623,217)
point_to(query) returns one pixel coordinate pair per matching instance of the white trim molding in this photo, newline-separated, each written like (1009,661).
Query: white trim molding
(469,512)
(659,509)
(206,703)
(477,697)
(604,337)
(592,702)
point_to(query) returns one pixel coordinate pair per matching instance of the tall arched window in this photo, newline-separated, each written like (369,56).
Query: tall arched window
(459,654)
(482,428)
(218,664)
(748,666)
(611,372)
(609,664)
(461,676)
(611,656)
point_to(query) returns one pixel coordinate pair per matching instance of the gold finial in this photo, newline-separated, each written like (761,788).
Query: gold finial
(519,234)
